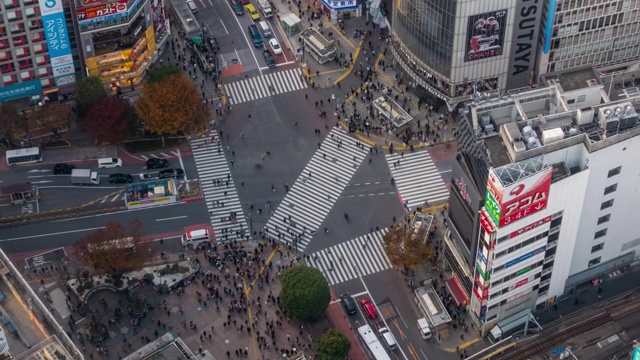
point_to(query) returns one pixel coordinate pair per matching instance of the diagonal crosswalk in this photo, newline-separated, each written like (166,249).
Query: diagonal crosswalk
(316,190)
(361,256)
(417,178)
(255,88)
(222,198)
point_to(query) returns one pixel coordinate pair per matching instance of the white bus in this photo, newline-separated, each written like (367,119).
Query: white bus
(374,345)
(24,156)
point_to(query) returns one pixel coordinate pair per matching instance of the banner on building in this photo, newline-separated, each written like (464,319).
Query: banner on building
(100,10)
(55,30)
(485,35)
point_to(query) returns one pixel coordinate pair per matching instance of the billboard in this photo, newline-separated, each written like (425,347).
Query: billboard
(518,200)
(100,10)
(485,35)
(529,227)
(21,90)
(548,28)
(55,30)
(524,46)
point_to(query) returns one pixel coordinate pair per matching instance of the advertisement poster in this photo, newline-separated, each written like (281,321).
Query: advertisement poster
(525,197)
(101,10)
(485,35)
(55,30)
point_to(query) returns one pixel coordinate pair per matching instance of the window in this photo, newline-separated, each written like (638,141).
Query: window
(22,52)
(606,204)
(3,43)
(26,75)
(6,68)
(16,28)
(611,188)
(24,64)
(19,40)
(10,3)
(41,59)
(614,172)
(30,11)
(35,24)
(596,248)
(43,71)
(595,261)
(604,219)
(39,36)
(13,15)
(8,79)
(4,55)
(600,233)
(38,48)
(556,222)
(48,82)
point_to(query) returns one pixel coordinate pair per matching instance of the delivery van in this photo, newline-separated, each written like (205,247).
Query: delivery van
(264,26)
(423,326)
(196,238)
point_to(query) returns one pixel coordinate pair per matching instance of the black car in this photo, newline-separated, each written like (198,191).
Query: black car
(155,163)
(63,169)
(348,303)
(171,173)
(213,43)
(120,178)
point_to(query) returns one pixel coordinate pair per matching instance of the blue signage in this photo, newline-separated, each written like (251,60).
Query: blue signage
(548,29)
(17,91)
(525,256)
(55,30)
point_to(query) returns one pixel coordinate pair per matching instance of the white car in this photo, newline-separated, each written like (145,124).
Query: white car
(275,46)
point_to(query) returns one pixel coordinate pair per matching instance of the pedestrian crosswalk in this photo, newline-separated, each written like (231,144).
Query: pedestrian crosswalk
(258,87)
(361,256)
(417,178)
(218,188)
(316,190)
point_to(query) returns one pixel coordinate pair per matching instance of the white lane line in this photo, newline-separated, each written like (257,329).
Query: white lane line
(50,234)
(225,28)
(172,218)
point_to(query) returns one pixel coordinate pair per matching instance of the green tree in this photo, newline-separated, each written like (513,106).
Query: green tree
(108,119)
(305,293)
(159,73)
(332,345)
(88,91)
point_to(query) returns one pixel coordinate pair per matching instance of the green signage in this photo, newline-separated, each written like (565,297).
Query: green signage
(481,273)
(522,271)
(493,208)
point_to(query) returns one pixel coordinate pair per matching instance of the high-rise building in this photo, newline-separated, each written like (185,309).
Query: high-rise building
(38,49)
(544,193)
(118,38)
(451,49)
(602,33)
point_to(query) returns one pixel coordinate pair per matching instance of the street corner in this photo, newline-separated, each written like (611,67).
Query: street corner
(443,151)
(461,346)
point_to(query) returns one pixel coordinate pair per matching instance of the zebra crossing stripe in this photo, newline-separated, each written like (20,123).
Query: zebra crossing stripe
(349,260)
(212,165)
(316,190)
(417,179)
(258,87)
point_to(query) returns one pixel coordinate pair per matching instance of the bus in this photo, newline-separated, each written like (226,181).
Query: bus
(370,339)
(24,156)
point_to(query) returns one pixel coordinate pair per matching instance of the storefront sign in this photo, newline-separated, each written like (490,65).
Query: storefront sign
(520,283)
(530,227)
(341,4)
(526,197)
(101,10)
(55,30)
(493,208)
(523,271)
(487,225)
(89,2)
(481,256)
(481,272)
(66,80)
(485,35)
(17,91)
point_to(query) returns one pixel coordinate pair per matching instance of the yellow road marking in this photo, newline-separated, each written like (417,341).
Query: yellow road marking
(413,351)
(402,335)
(351,66)
(326,21)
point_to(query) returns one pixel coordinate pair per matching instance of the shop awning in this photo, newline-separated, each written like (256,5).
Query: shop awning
(456,291)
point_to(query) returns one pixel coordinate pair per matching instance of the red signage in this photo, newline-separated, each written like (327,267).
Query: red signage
(97,11)
(530,227)
(89,2)
(486,223)
(462,187)
(525,198)
(519,283)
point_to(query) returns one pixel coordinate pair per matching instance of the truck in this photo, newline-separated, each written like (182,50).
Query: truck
(265,8)
(268,58)
(84,177)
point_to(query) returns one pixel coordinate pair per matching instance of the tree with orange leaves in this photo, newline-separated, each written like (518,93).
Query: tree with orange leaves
(172,106)
(116,249)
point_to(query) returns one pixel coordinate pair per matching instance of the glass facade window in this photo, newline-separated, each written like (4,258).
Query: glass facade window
(426,29)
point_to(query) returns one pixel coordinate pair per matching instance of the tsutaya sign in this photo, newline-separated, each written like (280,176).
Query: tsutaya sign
(525,42)
(518,200)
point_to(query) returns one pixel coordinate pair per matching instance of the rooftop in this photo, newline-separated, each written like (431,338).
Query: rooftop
(571,108)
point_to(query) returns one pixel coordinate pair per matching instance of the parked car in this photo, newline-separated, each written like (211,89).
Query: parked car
(120,178)
(171,173)
(63,169)
(155,163)
(348,303)
(368,308)
(275,46)
(108,163)
(213,43)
